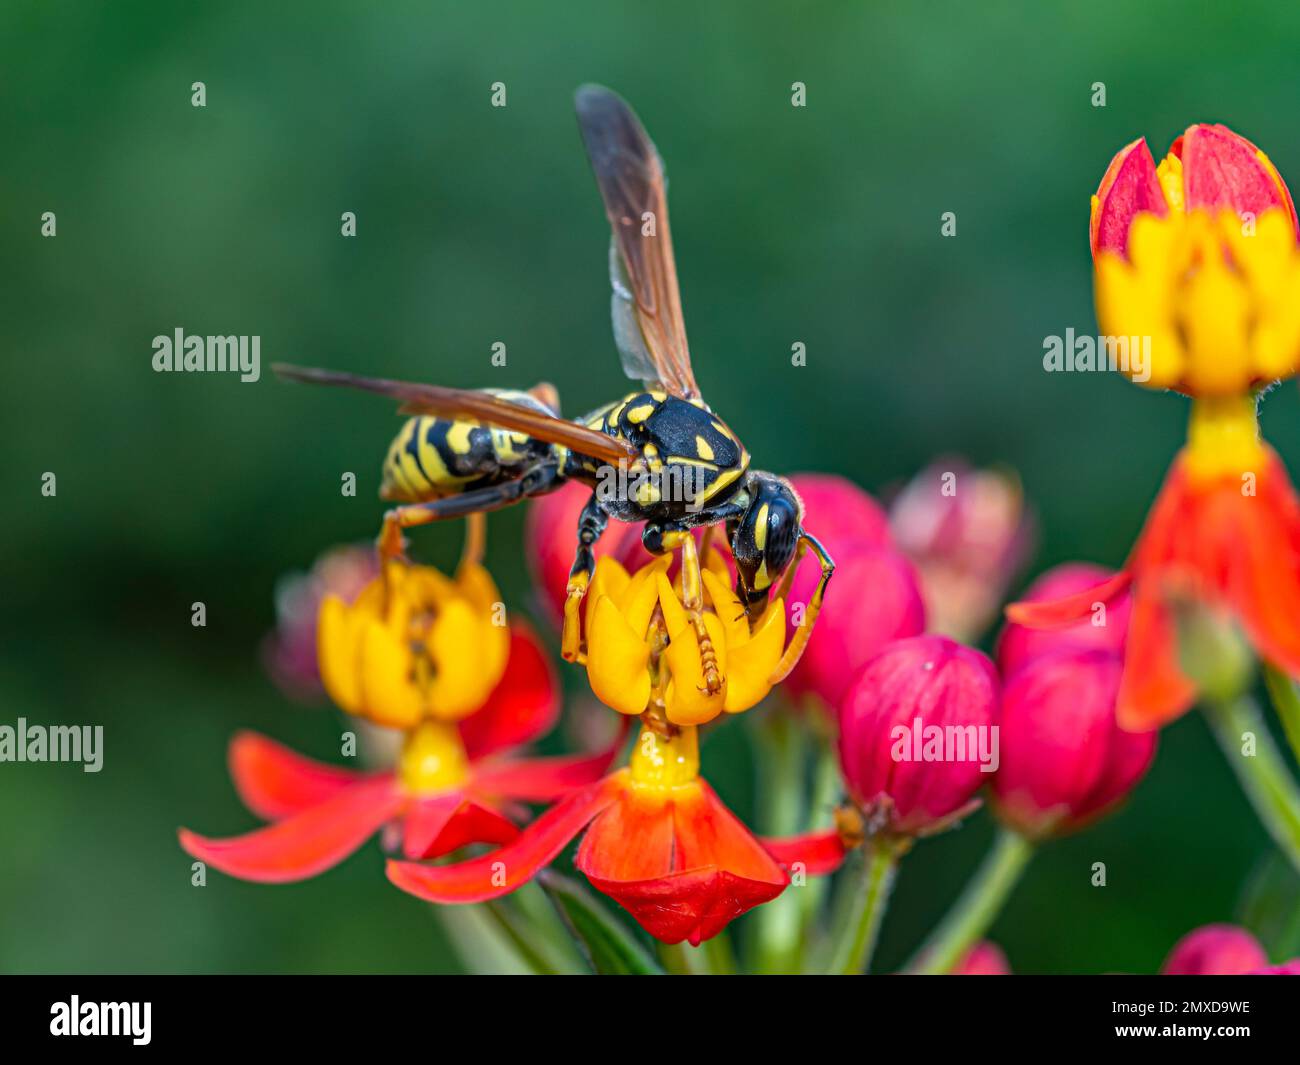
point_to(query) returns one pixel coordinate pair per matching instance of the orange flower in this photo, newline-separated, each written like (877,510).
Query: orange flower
(431,656)
(1224,539)
(660,842)
(1200,255)
(452,785)
(1198,258)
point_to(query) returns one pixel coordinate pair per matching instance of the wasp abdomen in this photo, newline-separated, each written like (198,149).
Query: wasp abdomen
(431,457)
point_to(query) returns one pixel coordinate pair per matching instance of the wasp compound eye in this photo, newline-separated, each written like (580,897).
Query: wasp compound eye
(782,534)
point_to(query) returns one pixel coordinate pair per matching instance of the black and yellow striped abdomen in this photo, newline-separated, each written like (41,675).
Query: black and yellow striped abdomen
(431,458)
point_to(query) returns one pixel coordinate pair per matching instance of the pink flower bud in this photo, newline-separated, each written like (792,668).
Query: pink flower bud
(874,598)
(1065,760)
(1215,950)
(968,532)
(1287,968)
(839,513)
(983,959)
(917,725)
(844,519)
(551,542)
(1104,627)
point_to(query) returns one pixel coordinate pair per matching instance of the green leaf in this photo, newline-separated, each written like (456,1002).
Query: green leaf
(609,947)
(1270,907)
(1286,701)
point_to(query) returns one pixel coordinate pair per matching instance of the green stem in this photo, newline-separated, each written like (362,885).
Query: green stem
(781,751)
(713,957)
(857,939)
(1286,701)
(1263,773)
(479,941)
(977,906)
(534,954)
(550,934)
(825,791)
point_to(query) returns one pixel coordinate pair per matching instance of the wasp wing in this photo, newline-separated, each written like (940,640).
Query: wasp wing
(646,304)
(470,405)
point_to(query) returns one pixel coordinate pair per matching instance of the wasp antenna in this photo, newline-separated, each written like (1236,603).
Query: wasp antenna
(312,375)
(290,372)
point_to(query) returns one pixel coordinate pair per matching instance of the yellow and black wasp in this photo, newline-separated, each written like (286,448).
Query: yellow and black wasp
(465,452)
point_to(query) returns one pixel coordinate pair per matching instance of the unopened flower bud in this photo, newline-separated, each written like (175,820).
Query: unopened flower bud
(1215,950)
(1065,760)
(918,726)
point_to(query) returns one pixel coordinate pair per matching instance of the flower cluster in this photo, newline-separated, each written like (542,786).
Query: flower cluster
(893,724)
(421,654)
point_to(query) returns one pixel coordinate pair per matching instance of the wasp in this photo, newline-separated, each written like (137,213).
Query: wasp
(462,453)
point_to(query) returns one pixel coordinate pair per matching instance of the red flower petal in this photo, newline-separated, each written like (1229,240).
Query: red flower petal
(641,815)
(1223,169)
(1233,551)
(1018,645)
(1264,584)
(444,823)
(820,853)
(1060,612)
(274,781)
(522,707)
(1130,185)
(545,779)
(692,869)
(308,842)
(509,867)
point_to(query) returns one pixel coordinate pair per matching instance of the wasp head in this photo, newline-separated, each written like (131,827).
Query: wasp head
(764,540)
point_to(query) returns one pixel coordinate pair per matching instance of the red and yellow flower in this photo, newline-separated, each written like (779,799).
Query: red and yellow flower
(419,652)
(658,839)
(1200,255)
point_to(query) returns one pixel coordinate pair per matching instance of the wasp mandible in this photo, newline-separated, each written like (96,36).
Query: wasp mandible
(465,452)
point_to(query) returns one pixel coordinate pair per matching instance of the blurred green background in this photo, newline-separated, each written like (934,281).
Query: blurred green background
(475,225)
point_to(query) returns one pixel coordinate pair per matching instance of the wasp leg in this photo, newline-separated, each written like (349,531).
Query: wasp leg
(782,590)
(477,501)
(799,642)
(658,540)
(591,524)
(471,553)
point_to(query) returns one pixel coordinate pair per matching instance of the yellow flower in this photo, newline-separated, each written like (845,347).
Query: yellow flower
(414,645)
(641,644)
(1219,298)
